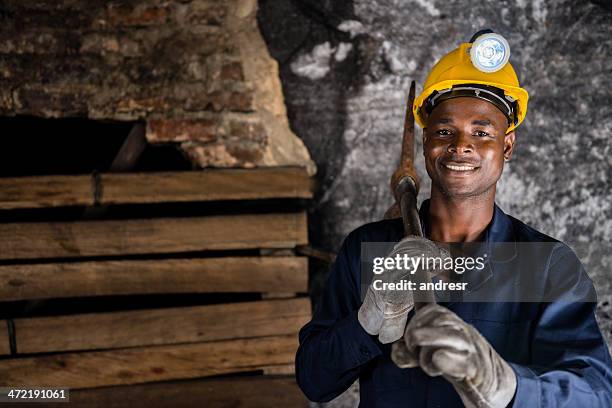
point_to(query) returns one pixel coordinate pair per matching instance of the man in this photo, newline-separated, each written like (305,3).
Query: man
(518,353)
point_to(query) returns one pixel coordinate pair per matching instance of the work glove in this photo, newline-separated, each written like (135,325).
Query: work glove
(441,343)
(385,312)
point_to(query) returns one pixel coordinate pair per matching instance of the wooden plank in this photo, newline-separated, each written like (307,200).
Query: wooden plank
(148,236)
(161,326)
(206,185)
(147,364)
(129,277)
(281,369)
(5,345)
(45,191)
(156,187)
(243,392)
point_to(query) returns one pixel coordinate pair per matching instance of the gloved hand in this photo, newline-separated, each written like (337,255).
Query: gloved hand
(441,343)
(385,312)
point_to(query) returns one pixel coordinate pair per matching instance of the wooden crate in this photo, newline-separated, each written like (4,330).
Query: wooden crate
(101,356)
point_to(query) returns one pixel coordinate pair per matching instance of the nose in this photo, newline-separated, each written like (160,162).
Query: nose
(461,144)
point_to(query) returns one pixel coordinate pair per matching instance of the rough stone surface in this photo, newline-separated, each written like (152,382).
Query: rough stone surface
(167,130)
(349,110)
(189,68)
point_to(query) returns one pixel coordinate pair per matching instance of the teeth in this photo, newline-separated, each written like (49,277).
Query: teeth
(459,168)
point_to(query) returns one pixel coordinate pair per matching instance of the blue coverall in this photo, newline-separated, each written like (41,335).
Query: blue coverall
(555,348)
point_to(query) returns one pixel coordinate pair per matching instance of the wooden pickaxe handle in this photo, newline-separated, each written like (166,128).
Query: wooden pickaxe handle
(405,187)
(405,168)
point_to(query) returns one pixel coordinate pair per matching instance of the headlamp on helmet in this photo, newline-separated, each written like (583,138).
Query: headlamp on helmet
(490,52)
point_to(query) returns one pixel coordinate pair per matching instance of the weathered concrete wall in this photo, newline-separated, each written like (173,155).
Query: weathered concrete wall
(198,72)
(346,66)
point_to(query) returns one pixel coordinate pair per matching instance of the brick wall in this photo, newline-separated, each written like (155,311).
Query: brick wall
(198,72)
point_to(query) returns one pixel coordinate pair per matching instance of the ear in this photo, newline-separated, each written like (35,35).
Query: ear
(509,140)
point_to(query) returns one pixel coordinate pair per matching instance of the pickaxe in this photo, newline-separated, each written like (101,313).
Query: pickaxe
(405,187)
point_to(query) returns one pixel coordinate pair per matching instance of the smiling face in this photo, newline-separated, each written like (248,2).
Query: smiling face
(464,145)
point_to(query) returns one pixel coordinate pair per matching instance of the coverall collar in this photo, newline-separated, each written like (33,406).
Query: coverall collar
(499,230)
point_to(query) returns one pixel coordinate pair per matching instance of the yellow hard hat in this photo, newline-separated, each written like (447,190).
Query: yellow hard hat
(457,74)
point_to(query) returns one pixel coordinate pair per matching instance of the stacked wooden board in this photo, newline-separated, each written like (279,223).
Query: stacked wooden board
(101,356)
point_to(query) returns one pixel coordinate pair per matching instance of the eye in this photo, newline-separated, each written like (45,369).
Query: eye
(481,133)
(443,132)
